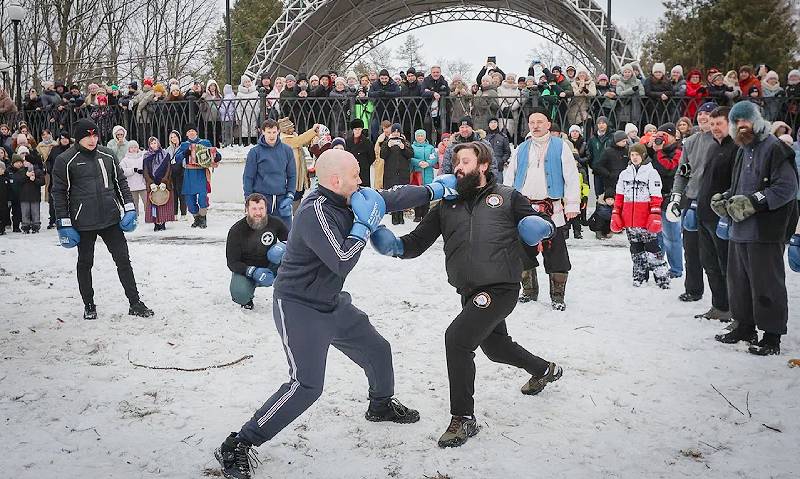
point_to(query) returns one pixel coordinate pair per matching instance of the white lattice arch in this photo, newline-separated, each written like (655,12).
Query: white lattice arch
(313,35)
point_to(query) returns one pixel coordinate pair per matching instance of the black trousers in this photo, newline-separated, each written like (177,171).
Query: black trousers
(114,239)
(693,269)
(421,211)
(482,323)
(714,259)
(757,285)
(554,252)
(16,213)
(397,217)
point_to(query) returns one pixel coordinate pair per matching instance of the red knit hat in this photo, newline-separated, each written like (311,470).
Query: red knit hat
(148,82)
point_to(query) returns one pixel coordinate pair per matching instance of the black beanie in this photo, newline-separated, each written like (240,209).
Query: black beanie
(357,123)
(383,72)
(83,128)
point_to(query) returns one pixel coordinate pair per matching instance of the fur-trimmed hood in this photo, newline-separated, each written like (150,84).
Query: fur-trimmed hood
(747,110)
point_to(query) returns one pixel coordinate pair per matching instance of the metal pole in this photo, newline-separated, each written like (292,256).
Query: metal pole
(18,66)
(228,52)
(609,30)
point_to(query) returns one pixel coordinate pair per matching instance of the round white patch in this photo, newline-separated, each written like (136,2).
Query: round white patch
(494,201)
(482,300)
(267,238)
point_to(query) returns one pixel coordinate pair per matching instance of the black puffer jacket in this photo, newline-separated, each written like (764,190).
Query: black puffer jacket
(90,188)
(28,191)
(613,162)
(364,151)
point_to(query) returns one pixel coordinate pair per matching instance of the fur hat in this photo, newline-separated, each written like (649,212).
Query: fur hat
(357,123)
(677,68)
(747,110)
(659,67)
(285,125)
(639,148)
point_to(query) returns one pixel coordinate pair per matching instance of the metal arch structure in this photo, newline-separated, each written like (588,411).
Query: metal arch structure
(313,35)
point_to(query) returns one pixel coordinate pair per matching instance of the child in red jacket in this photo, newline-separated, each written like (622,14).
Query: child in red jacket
(637,209)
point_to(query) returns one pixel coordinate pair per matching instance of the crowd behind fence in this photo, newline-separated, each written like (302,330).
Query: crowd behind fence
(236,121)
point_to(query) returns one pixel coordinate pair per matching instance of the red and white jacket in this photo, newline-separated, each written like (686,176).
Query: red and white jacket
(638,195)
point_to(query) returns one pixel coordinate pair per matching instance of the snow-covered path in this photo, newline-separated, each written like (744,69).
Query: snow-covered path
(636,399)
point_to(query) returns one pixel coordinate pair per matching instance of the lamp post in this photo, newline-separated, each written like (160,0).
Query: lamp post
(609,31)
(16,14)
(228,53)
(4,68)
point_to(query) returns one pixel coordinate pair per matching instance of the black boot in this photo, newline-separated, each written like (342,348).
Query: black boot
(689,297)
(35,229)
(196,221)
(578,234)
(90,311)
(203,222)
(742,332)
(558,288)
(236,458)
(770,344)
(139,309)
(248,305)
(392,410)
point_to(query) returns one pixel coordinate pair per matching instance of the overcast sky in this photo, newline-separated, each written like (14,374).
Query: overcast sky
(472,41)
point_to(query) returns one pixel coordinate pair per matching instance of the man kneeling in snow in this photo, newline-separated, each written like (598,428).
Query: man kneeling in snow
(254,250)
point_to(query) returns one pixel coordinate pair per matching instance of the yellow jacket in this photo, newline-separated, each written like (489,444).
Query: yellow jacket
(297,142)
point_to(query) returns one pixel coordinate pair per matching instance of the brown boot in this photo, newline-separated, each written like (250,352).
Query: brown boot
(558,286)
(530,286)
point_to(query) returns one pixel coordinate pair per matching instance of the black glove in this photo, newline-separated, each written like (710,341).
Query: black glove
(138,170)
(636,88)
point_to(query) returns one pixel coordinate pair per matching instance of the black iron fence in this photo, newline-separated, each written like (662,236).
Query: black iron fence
(237,121)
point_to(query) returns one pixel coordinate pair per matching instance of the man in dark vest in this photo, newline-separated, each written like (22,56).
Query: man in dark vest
(482,226)
(761,203)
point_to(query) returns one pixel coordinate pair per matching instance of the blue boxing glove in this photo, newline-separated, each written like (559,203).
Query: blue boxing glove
(368,208)
(285,205)
(67,235)
(128,222)
(723,225)
(443,187)
(690,217)
(534,229)
(794,253)
(276,252)
(386,243)
(262,276)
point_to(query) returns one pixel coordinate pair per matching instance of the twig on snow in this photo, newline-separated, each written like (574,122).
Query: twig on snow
(590,397)
(747,404)
(515,442)
(205,368)
(72,429)
(709,445)
(582,327)
(726,399)
(772,428)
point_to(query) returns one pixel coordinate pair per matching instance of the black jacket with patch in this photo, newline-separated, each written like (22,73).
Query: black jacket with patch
(248,247)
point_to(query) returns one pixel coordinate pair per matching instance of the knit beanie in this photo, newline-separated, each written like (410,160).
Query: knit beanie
(639,148)
(83,128)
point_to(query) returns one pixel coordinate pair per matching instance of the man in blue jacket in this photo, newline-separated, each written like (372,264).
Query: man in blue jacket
(197,177)
(271,171)
(311,311)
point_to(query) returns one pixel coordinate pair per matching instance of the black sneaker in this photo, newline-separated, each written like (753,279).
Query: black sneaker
(740,333)
(51,226)
(394,411)
(689,297)
(249,305)
(460,429)
(236,458)
(139,309)
(770,344)
(90,311)
(535,385)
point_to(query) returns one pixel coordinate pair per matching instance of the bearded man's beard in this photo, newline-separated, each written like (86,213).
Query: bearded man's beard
(744,135)
(256,224)
(468,185)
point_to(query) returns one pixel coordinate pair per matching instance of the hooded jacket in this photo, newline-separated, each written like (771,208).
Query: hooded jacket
(131,165)
(638,193)
(119,149)
(247,108)
(424,152)
(270,170)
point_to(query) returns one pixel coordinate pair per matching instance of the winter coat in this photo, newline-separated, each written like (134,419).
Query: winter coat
(397,164)
(485,105)
(446,165)
(270,170)
(509,100)
(695,93)
(209,108)
(667,161)
(50,99)
(195,179)
(297,142)
(424,152)
(630,93)
(32,104)
(638,193)
(501,148)
(578,110)
(460,102)
(431,86)
(90,188)
(247,110)
(678,87)
(613,161)
(716,177)
(129,164)
(384,106)
(119,149)
(364,153)
(774,98)
(746,85)
(228,107)
(27,190)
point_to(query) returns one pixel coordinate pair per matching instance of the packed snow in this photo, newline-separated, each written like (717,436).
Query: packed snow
(637,398)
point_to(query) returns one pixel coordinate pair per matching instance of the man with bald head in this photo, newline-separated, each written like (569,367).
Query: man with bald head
(311,311)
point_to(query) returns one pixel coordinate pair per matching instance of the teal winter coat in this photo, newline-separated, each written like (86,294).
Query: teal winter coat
(423,152)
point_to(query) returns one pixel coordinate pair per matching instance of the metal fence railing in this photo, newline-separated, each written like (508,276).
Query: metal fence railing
(237,121)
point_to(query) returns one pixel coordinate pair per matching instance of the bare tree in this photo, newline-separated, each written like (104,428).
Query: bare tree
(408,54)
(636,33)
(381,57)
(458,66)
(550,54)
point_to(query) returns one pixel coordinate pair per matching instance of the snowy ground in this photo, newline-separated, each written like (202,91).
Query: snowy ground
(636,399)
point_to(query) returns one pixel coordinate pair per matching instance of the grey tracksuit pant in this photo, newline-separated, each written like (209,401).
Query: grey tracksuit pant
(307,334)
